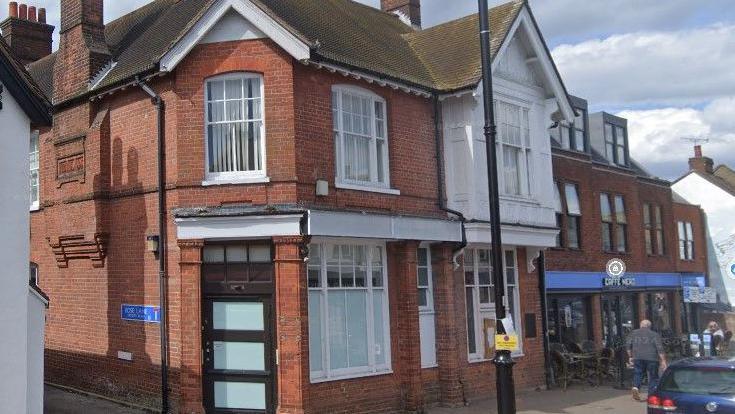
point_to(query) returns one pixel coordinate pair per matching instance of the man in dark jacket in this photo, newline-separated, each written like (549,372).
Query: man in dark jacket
(645,351)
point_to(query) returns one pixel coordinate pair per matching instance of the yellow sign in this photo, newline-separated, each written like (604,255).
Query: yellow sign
(506,342)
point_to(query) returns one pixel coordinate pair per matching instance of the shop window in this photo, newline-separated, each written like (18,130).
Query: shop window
(349,333)
(480,296)
(660,312)
(569,320)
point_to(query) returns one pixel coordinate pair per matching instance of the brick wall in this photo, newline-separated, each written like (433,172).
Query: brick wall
(593,179)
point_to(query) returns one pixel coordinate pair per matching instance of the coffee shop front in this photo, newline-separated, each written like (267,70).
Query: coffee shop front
(593,309)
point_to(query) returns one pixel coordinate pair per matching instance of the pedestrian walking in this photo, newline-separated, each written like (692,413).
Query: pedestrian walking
(646,353)
(717,337)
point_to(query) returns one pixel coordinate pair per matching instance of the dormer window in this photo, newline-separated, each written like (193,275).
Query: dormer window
(572,136)
(615,144)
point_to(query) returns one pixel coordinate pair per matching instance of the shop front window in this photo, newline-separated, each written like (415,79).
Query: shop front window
(569,320)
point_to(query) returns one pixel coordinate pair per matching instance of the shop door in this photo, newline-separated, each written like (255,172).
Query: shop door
(238,363)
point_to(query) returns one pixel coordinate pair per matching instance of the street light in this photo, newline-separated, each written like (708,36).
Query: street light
(503,361)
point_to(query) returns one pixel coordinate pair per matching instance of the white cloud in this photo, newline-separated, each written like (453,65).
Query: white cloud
(664,68)
(656,136)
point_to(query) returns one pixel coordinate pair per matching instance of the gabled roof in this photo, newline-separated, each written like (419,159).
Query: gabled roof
(341,32)
(722,177)
(19,83)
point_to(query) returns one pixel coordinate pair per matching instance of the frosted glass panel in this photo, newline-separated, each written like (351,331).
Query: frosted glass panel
(238,316)
(337,329)
(240,356)
(315,331)
(357,328)
(242,395)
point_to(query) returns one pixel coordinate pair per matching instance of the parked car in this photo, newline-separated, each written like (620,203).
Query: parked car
(695,386)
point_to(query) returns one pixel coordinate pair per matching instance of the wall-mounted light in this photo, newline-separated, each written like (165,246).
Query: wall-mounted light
(151,244)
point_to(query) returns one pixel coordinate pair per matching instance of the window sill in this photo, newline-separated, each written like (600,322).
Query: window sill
(34,207)
(350,376)
(234,181)
(372,189)
(519,199)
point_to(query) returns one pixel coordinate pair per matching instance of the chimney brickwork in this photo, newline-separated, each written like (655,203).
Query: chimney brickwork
(26,32)
(700,163)
(83,51)
(409,8)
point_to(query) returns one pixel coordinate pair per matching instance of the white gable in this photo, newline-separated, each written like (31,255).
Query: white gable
(230,20)
(232,26)
(514,65)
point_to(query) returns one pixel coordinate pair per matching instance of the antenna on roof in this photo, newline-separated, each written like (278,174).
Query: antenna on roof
(696,140)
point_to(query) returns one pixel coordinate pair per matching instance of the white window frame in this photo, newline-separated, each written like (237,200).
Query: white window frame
(429,308)
(35,163)
(236,177)
(33,274)
(686,241)
(525,157)
(427,314)
(487,310)
(327,374)
(374,184)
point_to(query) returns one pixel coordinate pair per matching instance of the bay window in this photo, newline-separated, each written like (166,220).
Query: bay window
(514,146)
(615,144)
(361,137)
(349,332)
(33,155)
(480,295)
(235,142)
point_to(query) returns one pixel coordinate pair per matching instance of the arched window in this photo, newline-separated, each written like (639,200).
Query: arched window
(361,137)
(33,276)
(235,131)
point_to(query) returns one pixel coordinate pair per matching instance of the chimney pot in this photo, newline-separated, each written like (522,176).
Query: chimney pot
(698,151)
(13,9)
(42,15)
(23,12)
(32,13)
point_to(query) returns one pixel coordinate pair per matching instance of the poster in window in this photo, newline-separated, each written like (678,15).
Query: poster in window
(488,330)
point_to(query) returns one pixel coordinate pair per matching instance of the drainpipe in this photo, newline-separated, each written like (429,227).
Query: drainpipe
(544,318)
(438,138)
(160,108)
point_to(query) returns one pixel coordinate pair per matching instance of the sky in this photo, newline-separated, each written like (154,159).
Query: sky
(665,65)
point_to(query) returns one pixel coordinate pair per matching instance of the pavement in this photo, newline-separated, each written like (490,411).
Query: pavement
(576,400)
(58,401)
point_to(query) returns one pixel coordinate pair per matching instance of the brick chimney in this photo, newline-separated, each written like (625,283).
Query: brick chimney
(26,32)
(83,51)
(700,163)
(411,9)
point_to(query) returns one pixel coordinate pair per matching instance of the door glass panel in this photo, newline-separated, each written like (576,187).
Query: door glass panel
(238,316)
(239,356)
(239,395)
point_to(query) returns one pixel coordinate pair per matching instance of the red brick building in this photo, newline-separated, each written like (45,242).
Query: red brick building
(609,207)
(311,264)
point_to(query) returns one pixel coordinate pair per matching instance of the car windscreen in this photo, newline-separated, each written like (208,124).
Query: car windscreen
(706,381)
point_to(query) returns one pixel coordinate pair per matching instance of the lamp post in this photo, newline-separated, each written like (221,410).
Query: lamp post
(503,361)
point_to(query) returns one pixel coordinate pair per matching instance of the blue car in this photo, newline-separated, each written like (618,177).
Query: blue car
(695,386)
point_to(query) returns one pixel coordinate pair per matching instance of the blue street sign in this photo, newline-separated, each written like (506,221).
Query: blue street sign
(140,313)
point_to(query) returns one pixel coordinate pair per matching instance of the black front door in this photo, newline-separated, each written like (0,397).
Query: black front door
(238,361)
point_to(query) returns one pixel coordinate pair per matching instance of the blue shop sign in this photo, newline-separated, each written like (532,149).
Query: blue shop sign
(140,313)
(634,281)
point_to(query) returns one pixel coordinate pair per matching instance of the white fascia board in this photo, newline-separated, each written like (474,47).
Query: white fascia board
(257,17)
(376,226)
(544,60)
(33,293)
(479,233)
(235,228)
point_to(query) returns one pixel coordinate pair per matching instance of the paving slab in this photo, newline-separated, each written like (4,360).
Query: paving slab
(58,401)
(576,400)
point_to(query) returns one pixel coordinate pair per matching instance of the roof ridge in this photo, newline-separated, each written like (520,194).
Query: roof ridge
(472,15)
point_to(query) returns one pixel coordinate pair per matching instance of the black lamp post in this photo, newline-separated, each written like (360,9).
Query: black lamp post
(503,360)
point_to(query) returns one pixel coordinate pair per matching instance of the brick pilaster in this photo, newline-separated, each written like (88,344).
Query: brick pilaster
(448,332)
(190,266)
(402,262)
(292,325)
(596,314)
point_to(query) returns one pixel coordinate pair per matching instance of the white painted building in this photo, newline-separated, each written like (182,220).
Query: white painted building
(22,306)
(528,94)
(714,190)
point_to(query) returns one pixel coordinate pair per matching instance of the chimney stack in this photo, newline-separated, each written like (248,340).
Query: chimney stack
(410,9)
(700,163)
(26,33)
(83,51)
